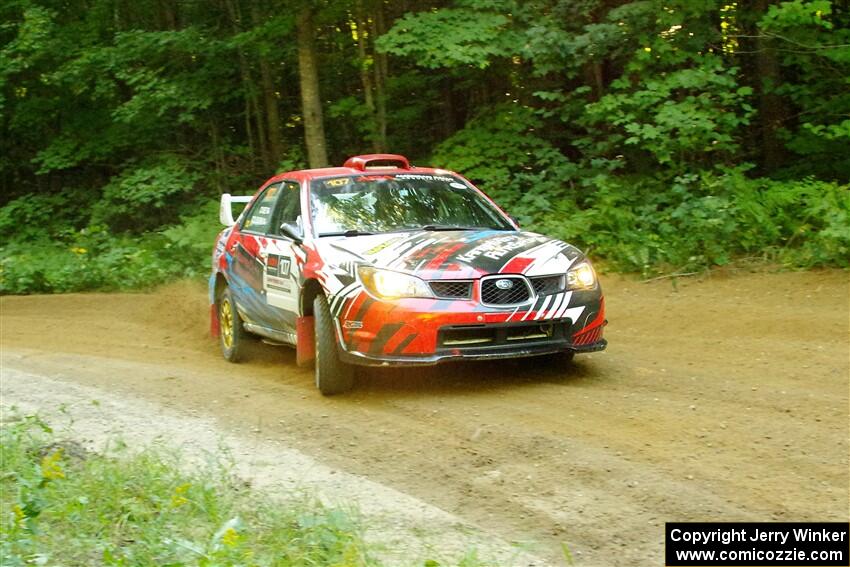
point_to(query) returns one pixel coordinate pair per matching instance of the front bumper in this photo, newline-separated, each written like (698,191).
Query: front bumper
(481,353)
(427,332)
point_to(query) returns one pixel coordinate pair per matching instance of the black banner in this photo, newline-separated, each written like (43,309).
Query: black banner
(744,544)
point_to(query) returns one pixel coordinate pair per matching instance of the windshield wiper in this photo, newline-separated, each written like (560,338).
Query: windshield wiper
(437,227)
(433,227)
(352,232)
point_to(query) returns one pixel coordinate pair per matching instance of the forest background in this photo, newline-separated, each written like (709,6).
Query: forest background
(661,136)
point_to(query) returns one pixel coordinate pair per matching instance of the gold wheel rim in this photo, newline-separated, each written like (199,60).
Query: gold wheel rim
(226,317)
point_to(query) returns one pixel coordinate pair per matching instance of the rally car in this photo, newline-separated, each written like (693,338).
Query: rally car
(382,263)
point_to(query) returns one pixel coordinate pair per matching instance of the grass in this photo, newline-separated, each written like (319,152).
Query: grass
(60,504)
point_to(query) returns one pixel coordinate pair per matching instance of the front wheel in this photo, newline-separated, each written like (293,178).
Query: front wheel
(231,334)
(333,376)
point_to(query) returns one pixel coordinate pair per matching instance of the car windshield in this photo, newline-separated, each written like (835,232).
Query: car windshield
(354,205)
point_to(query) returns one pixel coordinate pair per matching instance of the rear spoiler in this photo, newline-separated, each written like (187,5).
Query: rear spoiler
(225,210)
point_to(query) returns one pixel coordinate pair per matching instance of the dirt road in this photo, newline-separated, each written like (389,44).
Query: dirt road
(724,399)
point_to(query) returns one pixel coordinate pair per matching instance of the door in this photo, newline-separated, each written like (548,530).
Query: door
(246,258)
(281,278)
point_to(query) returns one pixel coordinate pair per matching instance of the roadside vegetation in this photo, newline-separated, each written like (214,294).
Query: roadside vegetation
(659,135)
(63,505)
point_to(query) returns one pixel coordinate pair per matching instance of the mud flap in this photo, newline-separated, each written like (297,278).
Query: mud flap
(214,325)
(305,347)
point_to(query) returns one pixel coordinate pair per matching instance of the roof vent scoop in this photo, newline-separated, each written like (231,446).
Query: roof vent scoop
(377,161)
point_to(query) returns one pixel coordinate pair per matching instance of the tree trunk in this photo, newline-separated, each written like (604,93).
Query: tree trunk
(380,80)
(248,96)
(272,112)
(270,100)
(311,102)
(772,108)
(366,74)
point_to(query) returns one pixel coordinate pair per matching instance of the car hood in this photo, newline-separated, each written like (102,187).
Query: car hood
(453,254)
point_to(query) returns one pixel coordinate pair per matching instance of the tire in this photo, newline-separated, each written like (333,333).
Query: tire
(231,334)
(333,376)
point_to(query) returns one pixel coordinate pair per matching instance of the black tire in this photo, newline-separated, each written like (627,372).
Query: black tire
(231,334)
(333,376)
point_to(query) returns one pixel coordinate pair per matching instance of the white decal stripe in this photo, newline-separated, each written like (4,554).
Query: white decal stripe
(574,313)
(564,305)
(511,316)
(543,307)
(549,252)
(531,308)
(555,306)
(338,297)
(349,294)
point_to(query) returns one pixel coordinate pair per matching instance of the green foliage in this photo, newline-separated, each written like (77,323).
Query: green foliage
(145,196)
(625,126)
(680,117)
(96,258)
(471,34)
(49,216)
(62,504)
(813,42)
(499,149)
(701,220)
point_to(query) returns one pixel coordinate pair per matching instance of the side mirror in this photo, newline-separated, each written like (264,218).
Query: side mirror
(225,209)
(292,232)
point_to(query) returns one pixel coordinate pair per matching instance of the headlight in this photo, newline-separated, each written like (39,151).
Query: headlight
(385,283)
(581,277)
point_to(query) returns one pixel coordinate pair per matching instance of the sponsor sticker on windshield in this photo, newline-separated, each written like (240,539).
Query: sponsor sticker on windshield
(337,182)
(425,177)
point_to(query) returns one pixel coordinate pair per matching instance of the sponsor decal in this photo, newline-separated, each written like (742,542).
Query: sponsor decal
(278,265)
(353,324)
(280,284)
(365,178)
(425,177)
(498,248)
(382,246)
(337,182)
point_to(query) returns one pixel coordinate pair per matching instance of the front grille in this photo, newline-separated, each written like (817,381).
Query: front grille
(546,285)
(511,336)
(517,293)
(452,290)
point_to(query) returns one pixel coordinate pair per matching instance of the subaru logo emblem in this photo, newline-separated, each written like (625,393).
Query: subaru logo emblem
(504,284)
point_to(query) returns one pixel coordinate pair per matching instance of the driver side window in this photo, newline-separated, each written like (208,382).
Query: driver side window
(289,208)
(259,217)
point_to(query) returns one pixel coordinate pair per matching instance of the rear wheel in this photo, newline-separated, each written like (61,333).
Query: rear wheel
(231,334)
(333,376)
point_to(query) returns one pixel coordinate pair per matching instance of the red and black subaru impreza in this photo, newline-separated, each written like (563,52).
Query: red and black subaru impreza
(381,263)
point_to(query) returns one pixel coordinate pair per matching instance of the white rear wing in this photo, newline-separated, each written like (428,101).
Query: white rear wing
(225,210)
